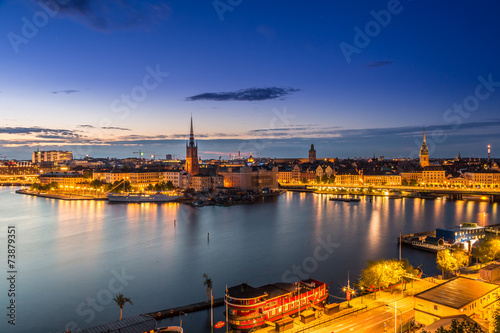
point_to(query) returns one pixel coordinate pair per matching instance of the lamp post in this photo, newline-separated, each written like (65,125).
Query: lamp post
(395,317)
(349,292)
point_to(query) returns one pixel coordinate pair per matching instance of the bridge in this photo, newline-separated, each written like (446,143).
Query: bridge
(492,194)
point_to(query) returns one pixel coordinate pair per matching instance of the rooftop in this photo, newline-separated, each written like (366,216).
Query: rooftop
(458,292)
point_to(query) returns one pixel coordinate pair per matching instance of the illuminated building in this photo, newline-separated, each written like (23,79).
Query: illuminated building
(424,153)
(192,164)
(51,156)
(459,296)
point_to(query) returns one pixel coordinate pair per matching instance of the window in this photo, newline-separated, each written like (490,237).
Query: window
(435,307)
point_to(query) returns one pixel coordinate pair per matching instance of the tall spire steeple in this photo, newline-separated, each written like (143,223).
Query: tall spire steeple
(424,153)
(191,134)
(192,164)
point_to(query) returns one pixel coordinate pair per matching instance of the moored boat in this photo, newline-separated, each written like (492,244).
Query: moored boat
(138,197)
(250,307)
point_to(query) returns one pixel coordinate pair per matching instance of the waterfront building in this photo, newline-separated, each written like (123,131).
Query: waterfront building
(424,153)
(179,178)
(312,154)
(348,178)
(458,181)
(388,179)
(111,176)
(141,179)
(18,169)
(463,233)
(51,156)
(192,165)
(285,175)
(483,178)
(63,179)
(250,178)
(296,173)
(433,175)
(204,183)
(459,296)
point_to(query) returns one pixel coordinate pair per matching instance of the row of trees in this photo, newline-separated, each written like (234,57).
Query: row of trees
(44,187)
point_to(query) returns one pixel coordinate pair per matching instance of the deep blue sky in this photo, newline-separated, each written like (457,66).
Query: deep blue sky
(258,76)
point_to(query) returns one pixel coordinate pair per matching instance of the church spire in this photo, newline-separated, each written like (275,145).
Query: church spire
(191,134)
(424,135)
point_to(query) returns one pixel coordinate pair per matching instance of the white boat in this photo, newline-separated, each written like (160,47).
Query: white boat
(138,197)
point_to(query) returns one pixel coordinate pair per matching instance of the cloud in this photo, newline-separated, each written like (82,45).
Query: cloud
(68,91)
(85,126)
(116,128)
(379,64)
(250,94)
(112,15)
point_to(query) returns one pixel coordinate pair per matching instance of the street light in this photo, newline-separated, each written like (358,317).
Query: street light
(395,317)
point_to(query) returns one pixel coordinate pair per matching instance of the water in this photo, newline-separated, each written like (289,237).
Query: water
(69,253)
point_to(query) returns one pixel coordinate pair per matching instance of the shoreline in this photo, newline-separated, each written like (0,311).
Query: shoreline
(68,197)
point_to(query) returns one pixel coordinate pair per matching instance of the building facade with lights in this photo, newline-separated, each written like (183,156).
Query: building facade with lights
(51,156)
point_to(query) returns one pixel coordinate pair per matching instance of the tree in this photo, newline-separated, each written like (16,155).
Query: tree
(461,257)
(404,182)
(208,284)
(52,186)
(120,301)
(451,260)
(488,250)
(88,173)
(446,262)
(413,182)
(95,184)
(318,179)
(304,180)
(170,185)
(382,273)
(324,178)
(496,321)
(463,326)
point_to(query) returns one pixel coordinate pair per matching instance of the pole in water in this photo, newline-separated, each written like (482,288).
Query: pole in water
(208,236)
(175,221)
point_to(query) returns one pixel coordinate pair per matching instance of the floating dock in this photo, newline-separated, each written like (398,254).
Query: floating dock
(172,312)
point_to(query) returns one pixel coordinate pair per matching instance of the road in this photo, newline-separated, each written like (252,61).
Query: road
(373,320)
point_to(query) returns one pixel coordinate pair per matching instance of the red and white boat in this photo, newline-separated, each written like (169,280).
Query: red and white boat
(250,307)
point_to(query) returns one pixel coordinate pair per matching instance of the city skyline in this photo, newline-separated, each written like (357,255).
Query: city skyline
(355,80)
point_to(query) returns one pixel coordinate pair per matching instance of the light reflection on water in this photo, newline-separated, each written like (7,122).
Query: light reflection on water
(68,250)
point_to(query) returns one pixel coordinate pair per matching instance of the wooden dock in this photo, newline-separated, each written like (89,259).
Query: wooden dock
(172,312)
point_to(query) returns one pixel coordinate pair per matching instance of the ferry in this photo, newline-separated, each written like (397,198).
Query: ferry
(250,307)
(139,197)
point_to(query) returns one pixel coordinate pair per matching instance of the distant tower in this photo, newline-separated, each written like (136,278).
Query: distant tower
(312,154)
(424,154)
(489,152)
(192,164)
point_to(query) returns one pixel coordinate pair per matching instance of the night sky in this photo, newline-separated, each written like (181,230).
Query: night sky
(356,78)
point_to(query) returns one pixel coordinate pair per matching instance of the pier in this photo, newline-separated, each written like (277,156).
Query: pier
(172,312)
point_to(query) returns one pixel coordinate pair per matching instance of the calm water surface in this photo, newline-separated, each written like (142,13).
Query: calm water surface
(70,253)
